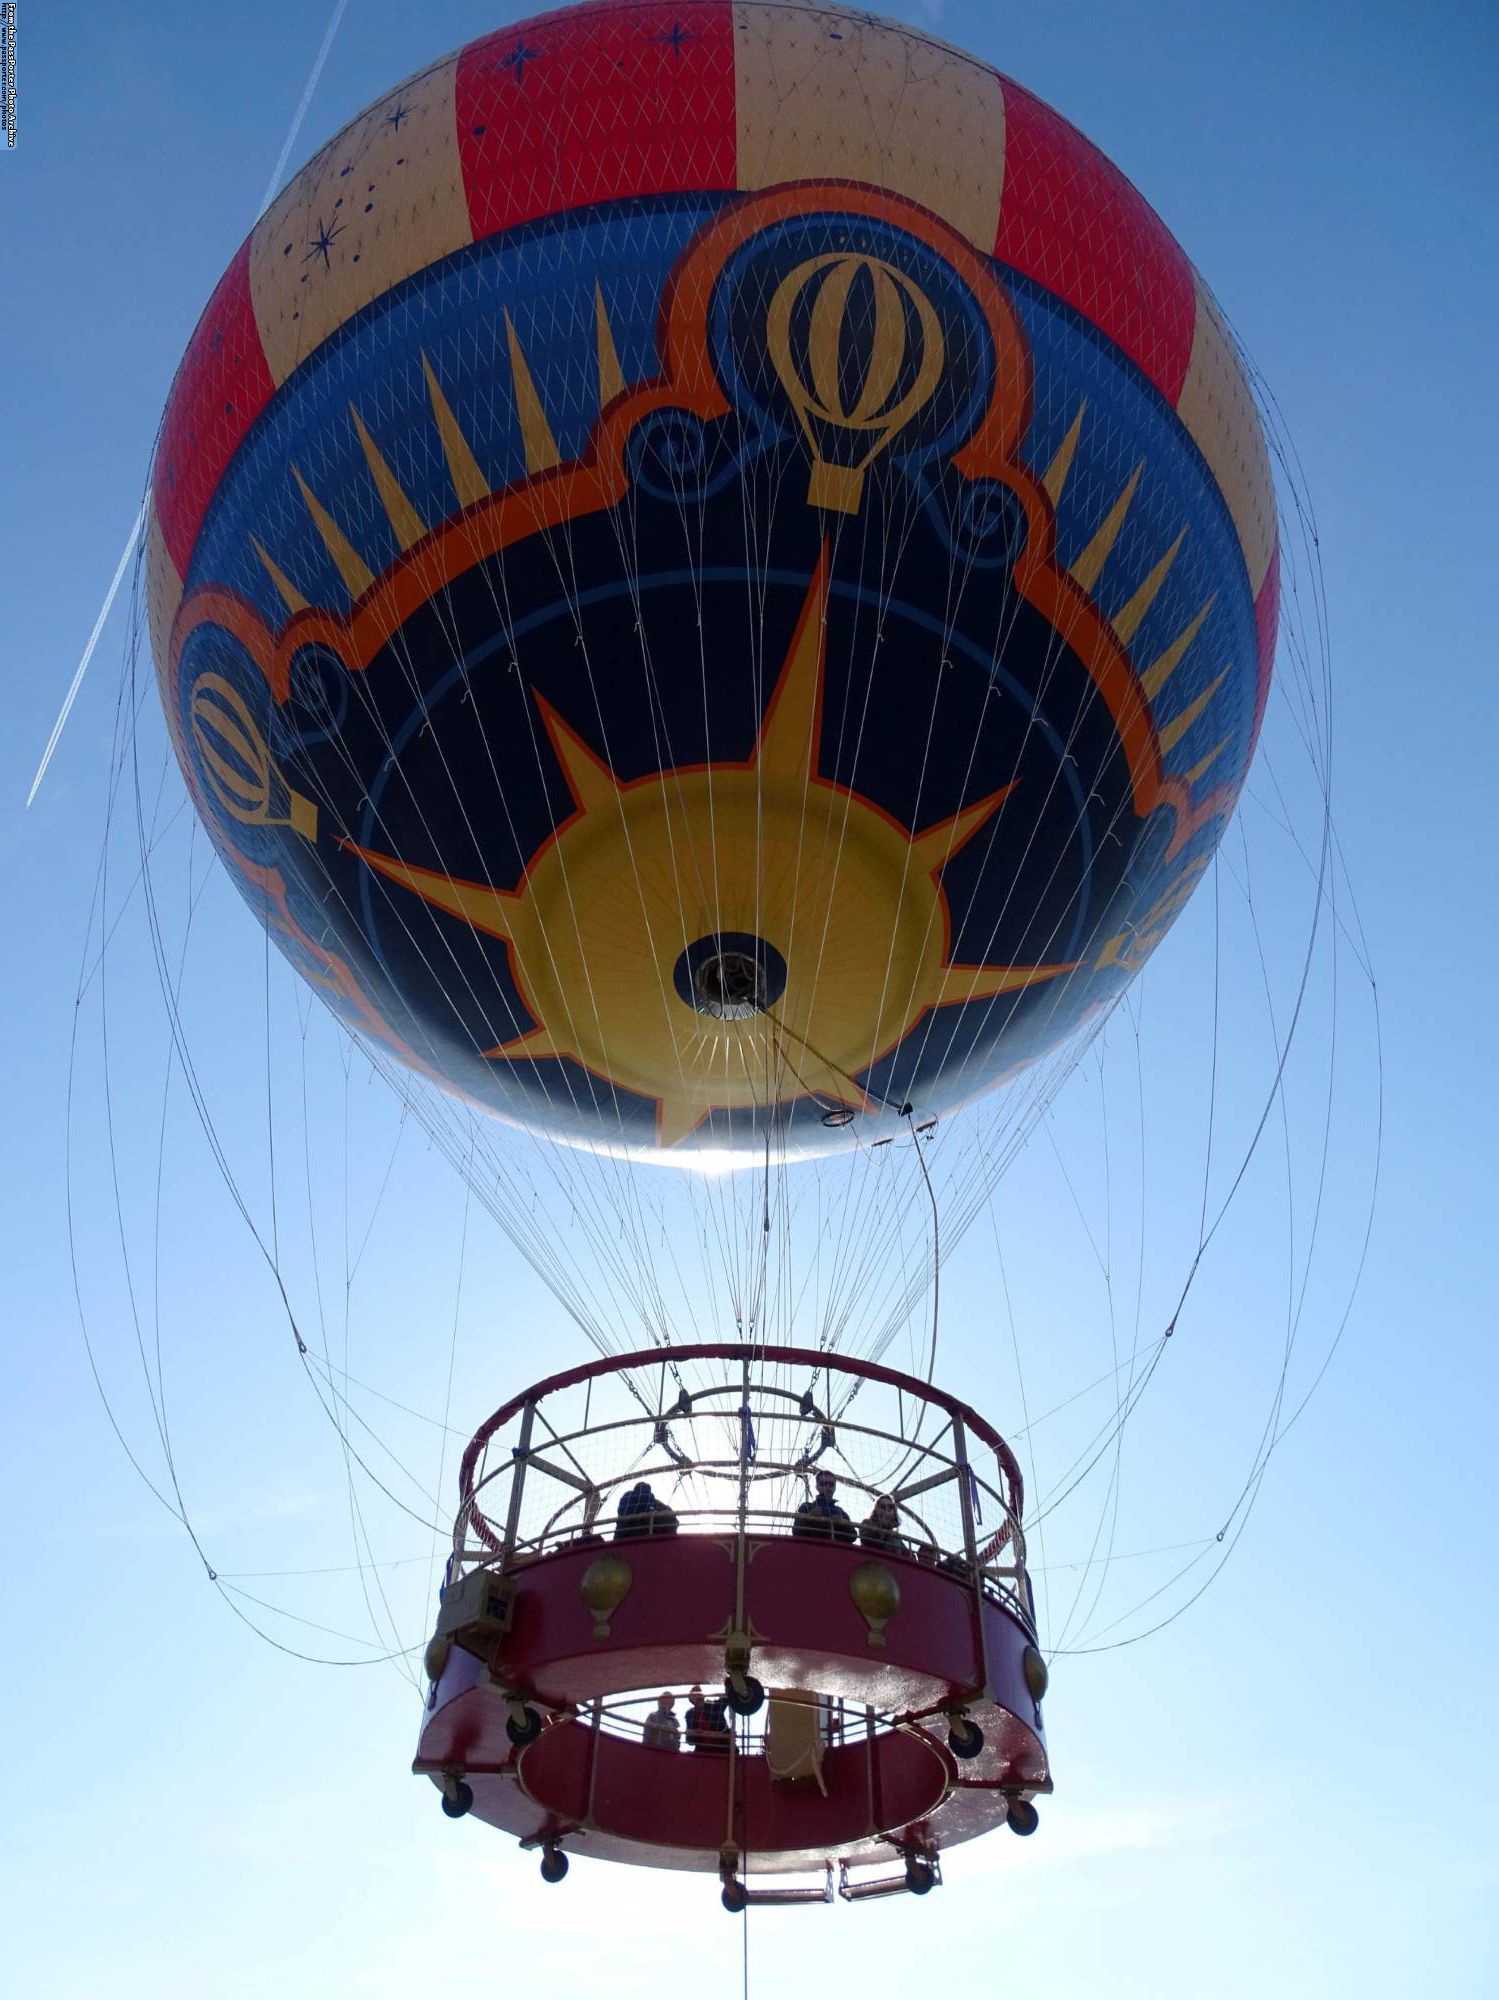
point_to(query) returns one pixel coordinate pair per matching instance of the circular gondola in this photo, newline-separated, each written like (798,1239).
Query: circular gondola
(860,1694)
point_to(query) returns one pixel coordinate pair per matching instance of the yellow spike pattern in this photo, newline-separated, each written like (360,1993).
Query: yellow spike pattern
(1089,565)
(1173,733)
(291,597)
(536,433)
(1212,757)
(1127,620)
(346,558)
(408,524)
(1160,670)
(476,903)
(594,786)
(1055,476)
(469,483)
(986,982)
(787,747)
(936,847)
(611,375)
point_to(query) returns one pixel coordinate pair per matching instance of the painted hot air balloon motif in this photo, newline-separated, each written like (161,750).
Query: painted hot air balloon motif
(713,575)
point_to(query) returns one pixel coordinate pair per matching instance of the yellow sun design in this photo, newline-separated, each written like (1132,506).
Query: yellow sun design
(728,936)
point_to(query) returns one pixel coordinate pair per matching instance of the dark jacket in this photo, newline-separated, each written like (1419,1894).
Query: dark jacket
(822,1520)
(873,1536)
(708,1727)
(641,1513)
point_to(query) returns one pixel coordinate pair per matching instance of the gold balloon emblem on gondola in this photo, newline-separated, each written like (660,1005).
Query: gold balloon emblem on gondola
(859,351)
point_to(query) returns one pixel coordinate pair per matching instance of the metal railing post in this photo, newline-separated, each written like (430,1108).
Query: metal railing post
(745,1422)
(965,1491)
(970,1547)
(741,1551)
(518,1479)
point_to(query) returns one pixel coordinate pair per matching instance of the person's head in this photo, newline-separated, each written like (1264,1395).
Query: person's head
(827,1485)
(927,1554)
(666,1703)
(695,1696)
(885,1511)
(643,1490)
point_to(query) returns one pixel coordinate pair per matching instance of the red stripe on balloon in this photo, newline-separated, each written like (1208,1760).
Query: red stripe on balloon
(596,104)
(1071,221)
(221,387)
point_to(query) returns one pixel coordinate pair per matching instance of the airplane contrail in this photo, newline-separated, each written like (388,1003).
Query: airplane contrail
(140,520)
(301,111)
(88,653)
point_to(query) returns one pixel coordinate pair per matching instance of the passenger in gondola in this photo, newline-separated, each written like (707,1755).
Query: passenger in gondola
(880,1528)
(707,1723)
(661,1730)
(821,1518)
(641,1513)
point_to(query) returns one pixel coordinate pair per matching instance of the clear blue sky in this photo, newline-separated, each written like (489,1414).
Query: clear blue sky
(1294,1786)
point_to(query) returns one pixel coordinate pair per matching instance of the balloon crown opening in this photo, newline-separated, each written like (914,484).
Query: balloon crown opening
(730,976)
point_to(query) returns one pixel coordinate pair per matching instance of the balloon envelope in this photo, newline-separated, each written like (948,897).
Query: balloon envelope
(713,575)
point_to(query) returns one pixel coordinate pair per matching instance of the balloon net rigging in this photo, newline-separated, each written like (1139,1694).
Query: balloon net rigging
(915,1114)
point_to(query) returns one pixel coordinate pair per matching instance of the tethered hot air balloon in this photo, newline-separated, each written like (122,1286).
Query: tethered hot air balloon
(713,575)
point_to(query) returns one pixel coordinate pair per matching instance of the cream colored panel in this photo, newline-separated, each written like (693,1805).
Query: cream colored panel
(163,592)
(1217,408)
(384,199)
(823,94)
